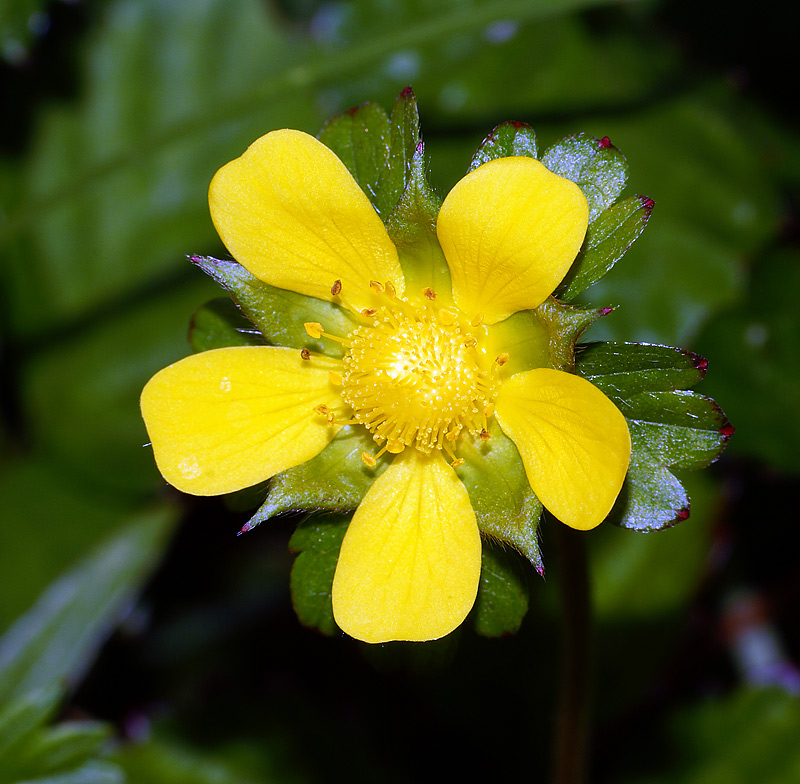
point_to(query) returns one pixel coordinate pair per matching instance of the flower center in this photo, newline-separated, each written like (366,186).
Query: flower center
(418,376)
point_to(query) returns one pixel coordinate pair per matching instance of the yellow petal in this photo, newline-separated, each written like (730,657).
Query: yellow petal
(411,559)
(510,231)
(227,419)
(573,441)
(290,212)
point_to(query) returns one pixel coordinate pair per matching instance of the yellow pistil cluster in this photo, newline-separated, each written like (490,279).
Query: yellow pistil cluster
(416,375)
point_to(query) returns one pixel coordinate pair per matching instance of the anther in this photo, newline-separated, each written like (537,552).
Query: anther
(429,293)
(502,359)
(471,341)
(447,317)
(336,288)
(390,289)
(313,328)
(395,447)
(334,377)
(305,354)
(488,409)
(477,321)
(369,312)
(458,462)
(485,435)
(376,286)
(368,459)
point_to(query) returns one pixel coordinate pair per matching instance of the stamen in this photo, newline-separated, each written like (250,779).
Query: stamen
(314,329)
(368,459)
(429,293)
(502,359)
(305,354)
(485,435)
(376,286)
(335,378)
(458,462)
(336,288)
(477,321)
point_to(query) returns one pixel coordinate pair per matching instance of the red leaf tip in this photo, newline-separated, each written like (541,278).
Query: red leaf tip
(683,514)
(407,92)
(605,143)
(648,203)
(605,311)
(726,431)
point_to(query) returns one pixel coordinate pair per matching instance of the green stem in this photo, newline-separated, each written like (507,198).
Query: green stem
(571,740)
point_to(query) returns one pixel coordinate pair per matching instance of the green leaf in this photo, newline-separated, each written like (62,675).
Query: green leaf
(57,638)
(681,429)
(509,139)
(361,138)
(377,152)
(595,165)
(21,716)
(505,506)
(336,479)
(279,314)
(669,429)
(503,593)
(625,369)
(93,772)
(220,323)
(58,750)
(412,227)
(317,542)
(608,238)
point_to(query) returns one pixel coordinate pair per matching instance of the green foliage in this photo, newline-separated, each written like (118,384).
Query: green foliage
(669,426)
(279,314)
(317,542)
(503,593)
(509,139)
(21,22)
(220,323)
(598,167)
(55,641)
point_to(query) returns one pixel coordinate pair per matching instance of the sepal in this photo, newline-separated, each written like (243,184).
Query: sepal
(505,507)
(336,479)
(278,314)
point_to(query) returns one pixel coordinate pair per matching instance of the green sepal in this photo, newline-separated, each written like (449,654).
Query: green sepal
(544,337)
(21,716)
(608,238)
(595,165)
(509,139)
(218,324)
(502,600)
(317,541)
(625,369)
(376,150)
(279,314)
(412,227)
(670,427)
(336,479)
(505,506)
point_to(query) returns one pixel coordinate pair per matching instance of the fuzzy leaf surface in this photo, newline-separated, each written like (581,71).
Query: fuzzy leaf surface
(317,542)
(608,238)
(502,595)
(509,139)
(595,165)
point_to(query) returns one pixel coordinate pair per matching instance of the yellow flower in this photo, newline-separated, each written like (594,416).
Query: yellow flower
(422,371)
